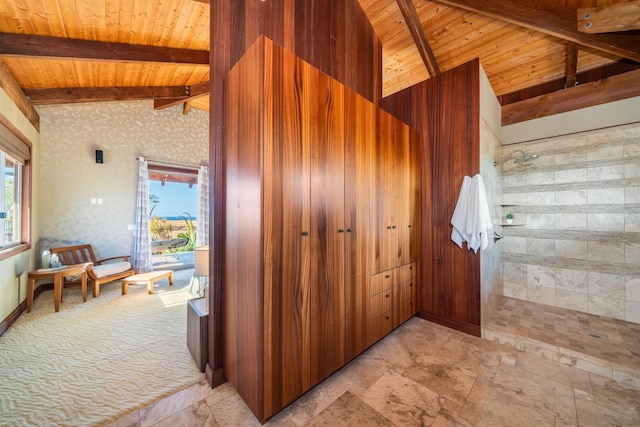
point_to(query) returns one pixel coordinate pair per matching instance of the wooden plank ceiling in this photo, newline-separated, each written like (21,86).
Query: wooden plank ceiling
(79,50)
(117,25)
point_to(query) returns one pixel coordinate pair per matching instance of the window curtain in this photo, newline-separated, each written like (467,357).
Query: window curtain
(142,236)
(202,227)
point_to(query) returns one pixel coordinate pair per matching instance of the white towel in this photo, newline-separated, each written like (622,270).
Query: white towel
(471,219)
(459,218)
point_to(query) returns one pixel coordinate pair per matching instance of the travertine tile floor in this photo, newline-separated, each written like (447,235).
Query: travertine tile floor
(426,374)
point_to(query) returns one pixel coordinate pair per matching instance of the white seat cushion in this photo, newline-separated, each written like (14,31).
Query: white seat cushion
(108,269)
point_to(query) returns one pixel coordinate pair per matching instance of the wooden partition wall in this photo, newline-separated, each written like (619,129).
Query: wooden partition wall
(446,111)
(332,35)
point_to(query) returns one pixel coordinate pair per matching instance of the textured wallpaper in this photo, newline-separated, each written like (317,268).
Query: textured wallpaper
(70,177)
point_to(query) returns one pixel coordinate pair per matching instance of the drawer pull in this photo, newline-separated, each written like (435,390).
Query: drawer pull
(305,233)
(340,230)
(386,296)
(386,276)
(410,284)
(387,317)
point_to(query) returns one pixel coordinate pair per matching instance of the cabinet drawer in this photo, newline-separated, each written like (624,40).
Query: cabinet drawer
(381,326)
(405,310)
(382,281)
(408,271)
(379,304)
(407,290)
(385,301)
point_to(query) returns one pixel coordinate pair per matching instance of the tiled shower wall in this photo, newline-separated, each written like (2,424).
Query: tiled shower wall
(490,150)
(575,242)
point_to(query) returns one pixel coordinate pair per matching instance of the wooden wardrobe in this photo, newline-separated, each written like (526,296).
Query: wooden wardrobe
(300,250)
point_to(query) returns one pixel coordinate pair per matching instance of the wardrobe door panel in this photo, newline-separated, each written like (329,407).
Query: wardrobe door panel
(412,221)
(327,226)
(385,194)
(286,216)
(242,299)
(401,145)
(360,131)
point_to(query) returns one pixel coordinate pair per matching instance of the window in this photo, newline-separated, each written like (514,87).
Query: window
(15,191)
(10,201)
(173,199)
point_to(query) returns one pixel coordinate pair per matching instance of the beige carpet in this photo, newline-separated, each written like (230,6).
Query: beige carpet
(93,362)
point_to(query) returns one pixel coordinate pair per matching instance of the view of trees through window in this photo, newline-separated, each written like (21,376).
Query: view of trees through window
(173,212)
(10,198)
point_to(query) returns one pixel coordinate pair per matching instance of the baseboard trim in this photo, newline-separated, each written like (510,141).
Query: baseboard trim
(215,378)
(452,323)
(13,316)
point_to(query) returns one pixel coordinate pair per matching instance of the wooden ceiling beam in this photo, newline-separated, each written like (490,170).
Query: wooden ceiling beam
(161,104)
(199,89)
(414,24)
(16,94)
(602,91)
(571,65)
(88,50)
(553,19)
(610,18)
(193,92)
(186,108)
(96,94)
(592,75)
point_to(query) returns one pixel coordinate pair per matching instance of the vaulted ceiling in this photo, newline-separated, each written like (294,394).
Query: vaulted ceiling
(82,50)
(515,54)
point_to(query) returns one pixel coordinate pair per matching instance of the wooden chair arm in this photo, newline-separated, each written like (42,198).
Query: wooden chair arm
(90,272)
(122,257)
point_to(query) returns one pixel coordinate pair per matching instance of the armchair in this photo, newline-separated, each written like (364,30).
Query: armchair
(98,271)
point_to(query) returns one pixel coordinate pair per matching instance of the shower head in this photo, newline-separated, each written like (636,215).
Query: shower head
(523,159)
(526,159)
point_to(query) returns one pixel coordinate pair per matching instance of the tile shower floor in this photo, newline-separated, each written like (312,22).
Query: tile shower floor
(424,374)
(614,340)
(609,347)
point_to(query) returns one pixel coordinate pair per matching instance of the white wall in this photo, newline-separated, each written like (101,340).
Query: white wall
(13,289)
(71,177)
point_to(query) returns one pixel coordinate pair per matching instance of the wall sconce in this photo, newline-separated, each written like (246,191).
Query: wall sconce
(99,156)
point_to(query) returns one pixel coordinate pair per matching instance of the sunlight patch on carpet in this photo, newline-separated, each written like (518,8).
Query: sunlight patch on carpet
(93,362)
